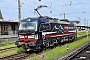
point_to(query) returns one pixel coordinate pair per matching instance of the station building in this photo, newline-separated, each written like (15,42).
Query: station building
(8,27)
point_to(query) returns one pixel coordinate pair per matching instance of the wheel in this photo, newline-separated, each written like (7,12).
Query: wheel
(47,44)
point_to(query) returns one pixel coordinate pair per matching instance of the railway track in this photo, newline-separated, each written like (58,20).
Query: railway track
(6,49)
(75,52)
(23,55)
(81,54)
(2,45)
(18,56)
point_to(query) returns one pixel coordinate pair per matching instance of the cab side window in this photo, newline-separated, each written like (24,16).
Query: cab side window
(44,27)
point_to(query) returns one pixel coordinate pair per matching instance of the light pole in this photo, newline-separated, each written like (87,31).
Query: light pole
(64,9)
(79,19)
(85,21)
(87,29)
(19,12)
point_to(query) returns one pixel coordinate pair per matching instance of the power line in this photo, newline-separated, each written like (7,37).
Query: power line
(47,7)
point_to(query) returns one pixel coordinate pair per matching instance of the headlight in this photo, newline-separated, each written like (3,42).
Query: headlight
(36,36)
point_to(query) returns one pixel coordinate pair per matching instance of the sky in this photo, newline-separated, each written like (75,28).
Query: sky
(73,9)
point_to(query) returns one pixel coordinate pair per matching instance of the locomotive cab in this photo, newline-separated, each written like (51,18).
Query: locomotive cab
(28,26)
(29,36)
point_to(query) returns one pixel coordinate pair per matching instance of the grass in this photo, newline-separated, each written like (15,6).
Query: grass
(6,42)
(7,45)
(10,52)
(50,54)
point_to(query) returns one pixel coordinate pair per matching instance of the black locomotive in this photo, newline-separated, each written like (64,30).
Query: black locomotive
(42,32)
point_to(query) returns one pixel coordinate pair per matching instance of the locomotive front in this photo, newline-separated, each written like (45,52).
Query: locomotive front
(27,34)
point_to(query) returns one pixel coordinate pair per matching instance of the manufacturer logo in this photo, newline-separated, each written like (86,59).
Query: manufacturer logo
(65,27)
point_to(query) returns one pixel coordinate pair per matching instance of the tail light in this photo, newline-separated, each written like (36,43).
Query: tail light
(25,36)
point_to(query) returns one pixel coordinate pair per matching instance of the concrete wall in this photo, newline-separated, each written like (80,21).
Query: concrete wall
(16,27)
(12,32)
(9,27)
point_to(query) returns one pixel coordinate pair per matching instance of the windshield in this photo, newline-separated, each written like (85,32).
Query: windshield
(28,26)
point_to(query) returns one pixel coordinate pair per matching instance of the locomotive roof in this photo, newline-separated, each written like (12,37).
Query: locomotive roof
(44,20)
(35,19)
(63,22)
